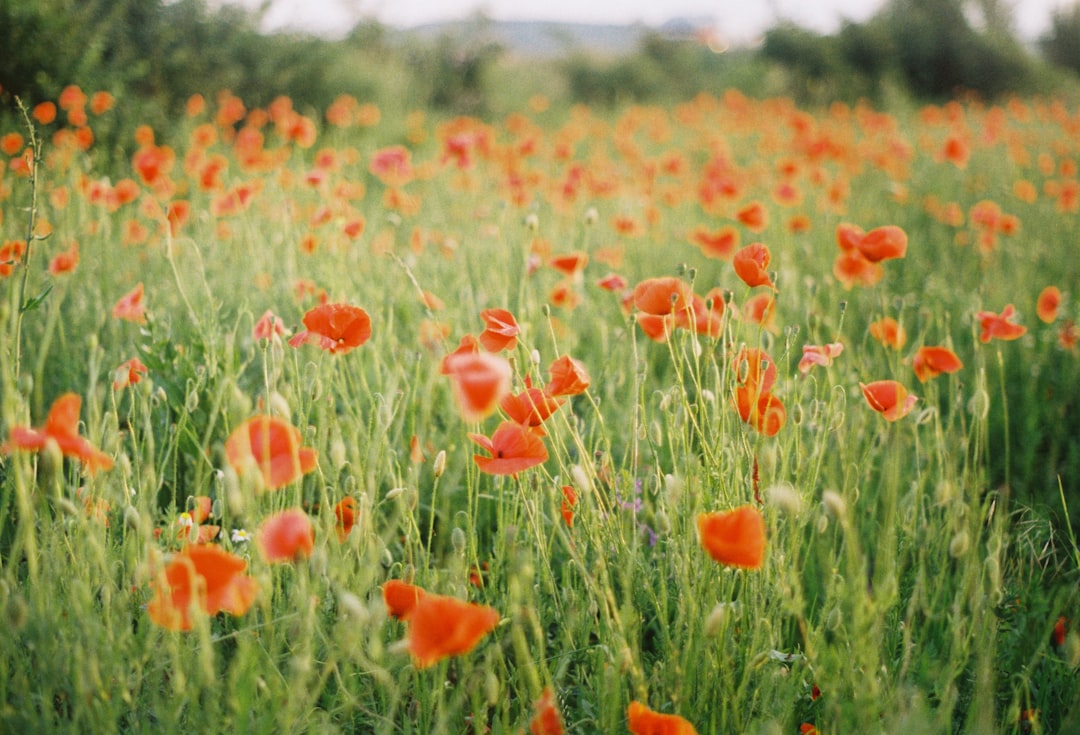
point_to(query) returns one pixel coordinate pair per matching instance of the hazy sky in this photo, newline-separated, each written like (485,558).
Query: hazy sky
(737,19)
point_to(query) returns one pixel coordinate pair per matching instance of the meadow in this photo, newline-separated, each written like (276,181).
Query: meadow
(723,417)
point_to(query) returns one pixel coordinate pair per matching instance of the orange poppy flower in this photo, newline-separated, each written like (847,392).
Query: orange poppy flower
(889,398)
(883,243)
(819,355)
(500,330)
(751,263)
(570,264)
(45,112)
(345,513)
(66,261)
(656,328)
(531,407)
(889,333)
(130,306)
(720,244)
(62,428)
(568,377)
(660,296)
(202,578)
(569,501)
(129,373)
(441,626)
(401,598)
(269,327)
(336,328)
(612,282)
(286,536)
(1047,305)
(468,345)
(761,310)
(754,369)
(753,216)
(11,143)
(764,411)
(704,317)
(480,381)
(852,269)
(999,326)
(512,447)
(546,719)
(734,538)
(930,362)
(644,721)
(273,446)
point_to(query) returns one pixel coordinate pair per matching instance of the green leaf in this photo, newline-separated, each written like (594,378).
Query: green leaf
(34,302)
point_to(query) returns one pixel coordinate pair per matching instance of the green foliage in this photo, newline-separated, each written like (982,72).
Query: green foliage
(1061,44)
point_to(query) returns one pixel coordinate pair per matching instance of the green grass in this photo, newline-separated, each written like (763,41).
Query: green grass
(914,571)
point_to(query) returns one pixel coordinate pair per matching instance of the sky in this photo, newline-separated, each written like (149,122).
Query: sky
(737,20)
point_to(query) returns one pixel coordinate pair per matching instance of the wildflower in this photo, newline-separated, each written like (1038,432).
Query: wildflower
(345,513)
(762,410)
(286,536)
(734,538)
(819,355)
(929,362)
(500,330)
(999,326)
(568,377)
(761,310)
(336,328)
(644,721)
(570,264)
(889,398)
(401,598)
(720,244)
(531,407)
(129,373)
(754,368)
(889,333)
(612,282)
(240,536)
(273,446)
(11,144)
(11,253)
(568,502)
(512,447)
(751,263)
(268,327)
(202,578)
(660,296)
(45,112)
(439,626)
(753,216)
(883,243)
(546,719)
(66,261)
(130,306)
(61,428)
(480,381)
(1047,304)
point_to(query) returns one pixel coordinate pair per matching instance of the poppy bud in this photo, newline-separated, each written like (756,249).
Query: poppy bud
(438,467)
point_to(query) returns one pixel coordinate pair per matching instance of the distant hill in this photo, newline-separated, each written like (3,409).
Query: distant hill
(552,38)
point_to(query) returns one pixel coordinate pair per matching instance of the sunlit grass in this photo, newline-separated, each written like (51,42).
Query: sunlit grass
(915,569)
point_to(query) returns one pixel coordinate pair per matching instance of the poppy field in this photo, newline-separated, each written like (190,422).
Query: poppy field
(728,417)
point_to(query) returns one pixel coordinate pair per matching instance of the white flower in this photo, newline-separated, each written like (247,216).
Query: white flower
(240,536)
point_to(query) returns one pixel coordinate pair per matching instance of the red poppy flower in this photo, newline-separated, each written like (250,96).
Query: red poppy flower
(480,381)
(569,501)
(889,398)
(202,578)
(531,407)
(269,327)
(999,326)
(66,261)
(753,216)
(568,377)
(345,513)
(129,373)
(1047,305)
(336,328)
(720,244)
(274,447)
(512,447)
(656,328)
(500,330)
(852,269)
(660,296)
(130,306)
(751,265)
(62,428)
(761,310)
(762,410)
(819,355)
(469,345)
(883,243)
(401,598)
(705,316)
(286,536)
(889,333)
(439,626)
(612,282)
(644,721)
(754,369)
(734,538)
(570,264)
(929,362)
(546,719)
